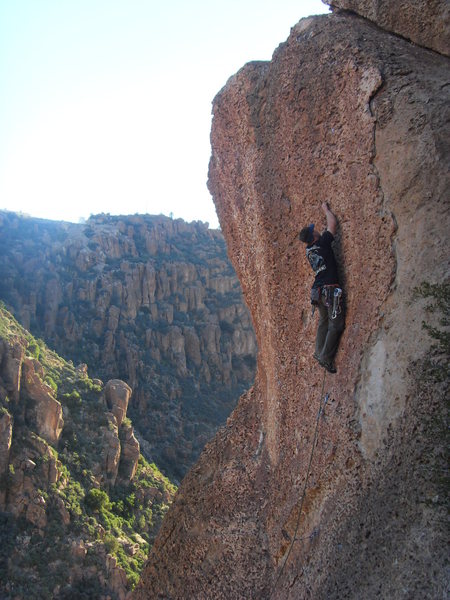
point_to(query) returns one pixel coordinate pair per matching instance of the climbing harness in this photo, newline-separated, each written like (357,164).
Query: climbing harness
(308,470)
(332,295)
(327,293)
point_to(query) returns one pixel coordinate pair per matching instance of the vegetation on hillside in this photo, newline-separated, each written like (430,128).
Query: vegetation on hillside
(146,299)
(90,527)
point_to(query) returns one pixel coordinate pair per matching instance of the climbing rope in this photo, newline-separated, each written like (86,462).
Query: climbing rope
(308,470)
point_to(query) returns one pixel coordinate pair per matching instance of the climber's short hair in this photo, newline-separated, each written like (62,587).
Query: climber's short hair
(306,234)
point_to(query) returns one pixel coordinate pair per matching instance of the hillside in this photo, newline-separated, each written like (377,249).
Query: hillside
(330,487)
(150,300)
(79,504)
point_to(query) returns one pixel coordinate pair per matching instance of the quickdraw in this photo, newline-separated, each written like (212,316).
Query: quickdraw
(336,303)
(332,297)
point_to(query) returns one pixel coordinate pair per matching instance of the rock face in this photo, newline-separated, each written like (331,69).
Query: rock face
(424,22)
(5,447)
(352,114)
(129,455)
(152,301)
(11,359)
(38,410)
(46,411)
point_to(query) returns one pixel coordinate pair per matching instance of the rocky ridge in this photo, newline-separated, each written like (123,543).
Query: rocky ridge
(350,113)
(79,506)
(150,300)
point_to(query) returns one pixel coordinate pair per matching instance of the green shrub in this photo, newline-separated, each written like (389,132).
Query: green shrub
(4,411)
(111,544)
(49,381)
(73,494)
(72,399)
(97,500)
(34,350)
(141,523)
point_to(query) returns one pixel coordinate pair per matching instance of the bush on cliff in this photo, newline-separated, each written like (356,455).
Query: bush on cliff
(97,500)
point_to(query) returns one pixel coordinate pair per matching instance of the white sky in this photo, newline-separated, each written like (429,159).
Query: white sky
(105,105)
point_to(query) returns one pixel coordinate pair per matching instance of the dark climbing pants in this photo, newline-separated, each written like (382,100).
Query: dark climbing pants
(329,331)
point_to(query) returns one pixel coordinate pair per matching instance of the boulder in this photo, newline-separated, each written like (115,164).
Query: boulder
(117,395)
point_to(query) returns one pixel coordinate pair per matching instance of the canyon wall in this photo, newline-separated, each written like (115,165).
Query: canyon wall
(148,299)
(79,505)
(352,114)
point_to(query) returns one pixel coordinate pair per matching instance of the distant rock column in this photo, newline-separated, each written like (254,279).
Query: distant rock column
(117,394)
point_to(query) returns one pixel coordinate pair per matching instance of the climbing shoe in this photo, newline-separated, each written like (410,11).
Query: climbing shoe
(325,364)
(328,366)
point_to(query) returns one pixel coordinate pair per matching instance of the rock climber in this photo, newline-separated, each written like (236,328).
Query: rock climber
(326,294)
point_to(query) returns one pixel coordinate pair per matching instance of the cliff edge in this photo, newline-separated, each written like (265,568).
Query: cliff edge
(354,114)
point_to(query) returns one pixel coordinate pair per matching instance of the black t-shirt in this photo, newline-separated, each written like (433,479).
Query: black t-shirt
(321,258)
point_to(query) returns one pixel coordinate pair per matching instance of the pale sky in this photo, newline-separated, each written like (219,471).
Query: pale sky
(105,105)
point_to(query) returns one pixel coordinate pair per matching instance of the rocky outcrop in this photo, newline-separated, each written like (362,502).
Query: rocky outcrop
(121,450)
(117,394)
(149,300)
(110,450)
(11,358)
(117,577)
(79,505)
(5,447)
(44,410)
(424,22)
(36,512)
(349,113)
(32,468)
(130,451)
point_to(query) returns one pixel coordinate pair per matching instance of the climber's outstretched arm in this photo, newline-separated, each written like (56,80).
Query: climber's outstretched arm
(331,219)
